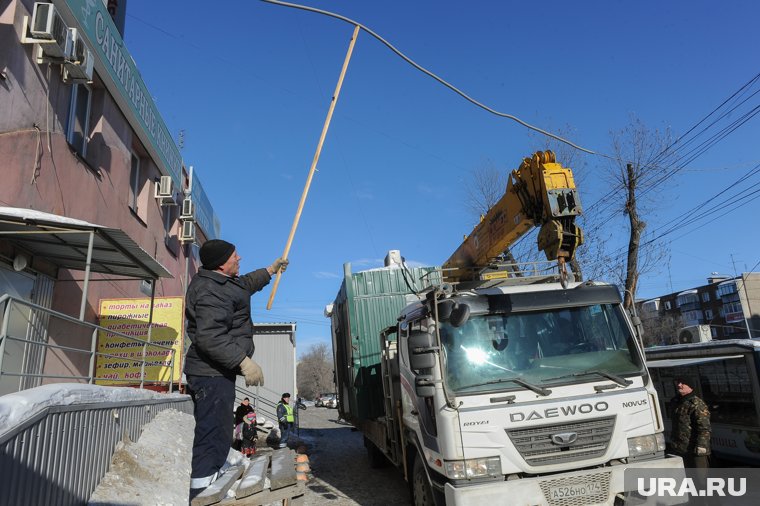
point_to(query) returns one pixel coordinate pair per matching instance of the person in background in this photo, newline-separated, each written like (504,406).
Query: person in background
(248,434)
(690,435)
(218,314)
(242,410)
(286,419)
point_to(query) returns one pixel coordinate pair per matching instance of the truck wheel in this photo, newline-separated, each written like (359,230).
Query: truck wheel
(422,491)
(374,455)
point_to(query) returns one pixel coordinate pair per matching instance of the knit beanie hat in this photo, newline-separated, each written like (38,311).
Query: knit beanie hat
(250,416)
(215,252)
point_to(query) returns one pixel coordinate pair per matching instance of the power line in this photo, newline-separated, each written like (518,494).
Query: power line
(434,76)
(694,152)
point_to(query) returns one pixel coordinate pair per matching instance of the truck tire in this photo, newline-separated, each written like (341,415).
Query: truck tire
(374,455)
(422,491)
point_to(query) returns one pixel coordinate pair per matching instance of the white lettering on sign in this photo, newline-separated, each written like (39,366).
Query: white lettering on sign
(119,63)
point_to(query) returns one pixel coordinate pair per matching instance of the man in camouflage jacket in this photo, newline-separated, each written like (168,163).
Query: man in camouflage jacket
(690,435)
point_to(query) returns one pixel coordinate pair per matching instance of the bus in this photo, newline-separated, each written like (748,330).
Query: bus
(725,375)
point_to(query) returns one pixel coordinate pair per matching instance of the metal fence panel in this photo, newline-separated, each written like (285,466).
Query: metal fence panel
(59,456)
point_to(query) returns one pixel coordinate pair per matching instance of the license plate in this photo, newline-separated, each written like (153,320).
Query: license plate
(576,490)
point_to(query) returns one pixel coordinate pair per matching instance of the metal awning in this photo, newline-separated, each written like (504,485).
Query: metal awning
(65,242)
(677,362)
(78,245)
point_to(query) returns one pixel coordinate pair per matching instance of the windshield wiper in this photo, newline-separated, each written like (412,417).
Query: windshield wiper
(522,383)
(614,377)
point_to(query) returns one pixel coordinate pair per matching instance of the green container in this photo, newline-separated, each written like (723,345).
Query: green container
(368,302)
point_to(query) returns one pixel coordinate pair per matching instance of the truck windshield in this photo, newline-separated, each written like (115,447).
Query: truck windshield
(544,348)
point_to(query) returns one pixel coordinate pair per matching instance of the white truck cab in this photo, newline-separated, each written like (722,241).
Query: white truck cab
(534,392)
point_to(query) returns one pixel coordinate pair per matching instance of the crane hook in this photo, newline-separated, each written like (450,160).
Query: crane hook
(563,277)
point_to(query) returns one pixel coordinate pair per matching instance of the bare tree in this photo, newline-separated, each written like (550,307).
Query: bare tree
(661,329)
(641,160)
(487,183)
(484,187)
(314,373)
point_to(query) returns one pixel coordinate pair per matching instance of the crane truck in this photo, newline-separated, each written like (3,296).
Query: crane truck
(486,383)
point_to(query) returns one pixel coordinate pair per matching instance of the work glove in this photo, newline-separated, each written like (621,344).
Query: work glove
(252,372)
(701,451)
(280,263)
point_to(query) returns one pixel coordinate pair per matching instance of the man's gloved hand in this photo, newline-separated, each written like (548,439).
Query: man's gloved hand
(701,451)
(278,264)
(252,372)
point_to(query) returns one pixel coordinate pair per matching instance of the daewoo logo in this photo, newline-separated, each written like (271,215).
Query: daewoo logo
(583,409)
(565,438)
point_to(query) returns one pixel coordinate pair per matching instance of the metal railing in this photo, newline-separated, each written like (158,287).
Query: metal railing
(36,337)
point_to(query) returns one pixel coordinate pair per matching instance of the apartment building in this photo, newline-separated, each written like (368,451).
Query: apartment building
(96,201)
(724,308)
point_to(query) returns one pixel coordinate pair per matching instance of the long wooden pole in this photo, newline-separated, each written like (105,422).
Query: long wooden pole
(314,161)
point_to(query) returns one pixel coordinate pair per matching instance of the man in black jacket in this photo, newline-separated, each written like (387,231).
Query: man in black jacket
(218,313)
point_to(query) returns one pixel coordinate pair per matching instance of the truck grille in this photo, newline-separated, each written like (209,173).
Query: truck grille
(537,448)
(601,482)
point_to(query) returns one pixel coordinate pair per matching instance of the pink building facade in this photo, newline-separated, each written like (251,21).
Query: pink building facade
(91,148)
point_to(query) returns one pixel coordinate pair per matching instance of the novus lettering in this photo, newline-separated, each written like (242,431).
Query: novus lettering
(630,404)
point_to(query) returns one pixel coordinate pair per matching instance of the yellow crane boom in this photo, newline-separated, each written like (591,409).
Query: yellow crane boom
(541,192)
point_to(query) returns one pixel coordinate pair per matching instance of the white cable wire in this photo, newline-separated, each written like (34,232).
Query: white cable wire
(434,76)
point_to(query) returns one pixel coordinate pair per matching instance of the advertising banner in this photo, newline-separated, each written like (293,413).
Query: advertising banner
(125,82)
(130,317)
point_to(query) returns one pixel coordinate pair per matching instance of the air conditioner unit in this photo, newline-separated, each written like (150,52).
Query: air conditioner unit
(188,209)
(187,233)
(50,31)
(79,61)
(694,334)
(80,72)
(163,188)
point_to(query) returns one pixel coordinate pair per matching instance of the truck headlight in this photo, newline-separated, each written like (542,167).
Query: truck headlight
(646,445)
(473,468)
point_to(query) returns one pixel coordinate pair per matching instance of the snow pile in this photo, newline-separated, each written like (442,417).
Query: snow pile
(153,471)
(17,407)
(33,215)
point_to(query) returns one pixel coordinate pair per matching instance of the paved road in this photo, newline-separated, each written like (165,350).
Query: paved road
(341,475)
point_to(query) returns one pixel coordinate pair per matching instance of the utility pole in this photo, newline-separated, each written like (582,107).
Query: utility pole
(637,227)
(746,295)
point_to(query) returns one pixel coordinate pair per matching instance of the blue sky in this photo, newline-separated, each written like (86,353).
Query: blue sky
(250,84)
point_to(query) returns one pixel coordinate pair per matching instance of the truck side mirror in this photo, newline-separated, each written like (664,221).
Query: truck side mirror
(419,341)
(445,307)
(422,361)
(459,315)
(424,386)
(421,345)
